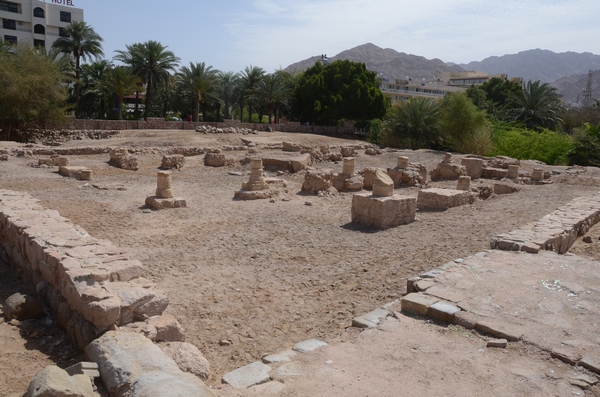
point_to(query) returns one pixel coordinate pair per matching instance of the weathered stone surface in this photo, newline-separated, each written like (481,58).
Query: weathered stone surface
(74,171)
(423,285)
(473,167)
(591,363)
(369,176)
(163,203)
(465,319)
(494,173)
(55,382)
(500,343)
(84,368)
(348,151)
(309,345)
(417,303)
(316,181)
(565,355)
(188,358)
(500,330)
(413,175)
(443,311)
(215,160)
(505,188)
(287,370)
(172,161)
(371,319)
(22,307)
(131,365)
(447,171)
(383,185)
(283,357)
(291,147)
(248,375)
(383,212)
(122,159)
(168,328)
(443,199)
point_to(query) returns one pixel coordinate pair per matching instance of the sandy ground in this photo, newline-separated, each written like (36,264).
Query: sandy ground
(267,275)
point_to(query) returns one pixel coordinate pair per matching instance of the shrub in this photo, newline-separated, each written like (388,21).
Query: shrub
(586,146)
(547,146)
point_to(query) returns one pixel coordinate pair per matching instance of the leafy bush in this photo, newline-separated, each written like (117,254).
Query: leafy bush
(375,131)
(520,143)
(586,147)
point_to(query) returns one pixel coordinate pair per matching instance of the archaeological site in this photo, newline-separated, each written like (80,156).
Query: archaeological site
(234,262)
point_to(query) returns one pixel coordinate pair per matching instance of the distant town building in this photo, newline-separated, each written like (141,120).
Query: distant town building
(36,21)
(448,82)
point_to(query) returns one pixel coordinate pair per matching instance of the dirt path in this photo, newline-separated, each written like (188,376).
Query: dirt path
(267,275)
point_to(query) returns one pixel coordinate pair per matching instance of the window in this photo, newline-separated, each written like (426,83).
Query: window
(39,43)
(62,32)
(65,16)
(39,12)
(10,39)
(39,29)
(9,24)
(10,7)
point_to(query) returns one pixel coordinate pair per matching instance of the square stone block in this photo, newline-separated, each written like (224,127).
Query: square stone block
(417,303)
(443,311)
(383,212)
(442,199)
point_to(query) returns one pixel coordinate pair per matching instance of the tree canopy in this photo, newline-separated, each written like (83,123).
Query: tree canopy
(342,90)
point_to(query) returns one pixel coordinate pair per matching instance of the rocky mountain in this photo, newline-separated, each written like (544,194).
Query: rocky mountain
(571,87)
(392,64)
(543,65)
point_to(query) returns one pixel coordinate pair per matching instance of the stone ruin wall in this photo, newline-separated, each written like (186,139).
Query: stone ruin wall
(90,284)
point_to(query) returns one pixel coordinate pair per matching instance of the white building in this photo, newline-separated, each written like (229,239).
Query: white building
(36,21)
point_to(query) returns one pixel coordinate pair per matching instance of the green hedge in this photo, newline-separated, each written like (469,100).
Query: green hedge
(523,144)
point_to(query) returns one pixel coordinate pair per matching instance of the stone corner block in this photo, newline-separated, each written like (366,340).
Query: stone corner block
(249,375)
(417,303)
(443,311)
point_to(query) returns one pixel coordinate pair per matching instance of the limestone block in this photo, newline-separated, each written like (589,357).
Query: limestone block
(417,303)
(473,167)
(369,176)
(309,345)
(402,162)
(47,162)
(84,368)
(316,181)
(249,375)
(443,311)
(494,173)
(253,194)
(348,168)
(512,172)
(383,212)
(168,328)
(188,358)
(505,188)
(161,203)
(464,183)
(172,161)
(63,161)
(131,365)
(353,184)
(55,382)
(348,151)
(22,307)
(414,175)
(295,163)
(214,160)
(383,185)
(283,357)
(290,147)
(137,302)
(448,171)
(500,330)
(85,175)
(442,199)
(537,174)
(72,171)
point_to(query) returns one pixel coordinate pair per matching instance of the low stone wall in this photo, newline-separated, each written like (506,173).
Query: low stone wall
(161,124)
(556,231)
(442,199)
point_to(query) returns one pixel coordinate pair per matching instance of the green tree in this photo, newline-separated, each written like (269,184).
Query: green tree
(586,148)
(93,93)
(227,83)
(201,82)
(271,91)
(82,42)
(120,82)
(537,106)
(342,90)
(32,91)
(152,62)
(464,127)
(412,124)
(249,78)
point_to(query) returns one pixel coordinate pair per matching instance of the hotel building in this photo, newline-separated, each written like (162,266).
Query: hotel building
(36,21)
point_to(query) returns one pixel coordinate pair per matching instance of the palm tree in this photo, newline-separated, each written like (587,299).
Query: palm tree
(200,81)
(227,83)
(270,91)
(152,62)
(250,77)
(120,81)
(414,123)
(83,43)
(538,106)
(92,77)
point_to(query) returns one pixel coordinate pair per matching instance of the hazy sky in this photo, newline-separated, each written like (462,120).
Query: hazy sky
(272,34)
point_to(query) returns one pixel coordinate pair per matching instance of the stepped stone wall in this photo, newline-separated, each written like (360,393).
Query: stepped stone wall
(90,283)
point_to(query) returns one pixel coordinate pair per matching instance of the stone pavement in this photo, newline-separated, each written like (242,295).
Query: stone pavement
(546,304)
